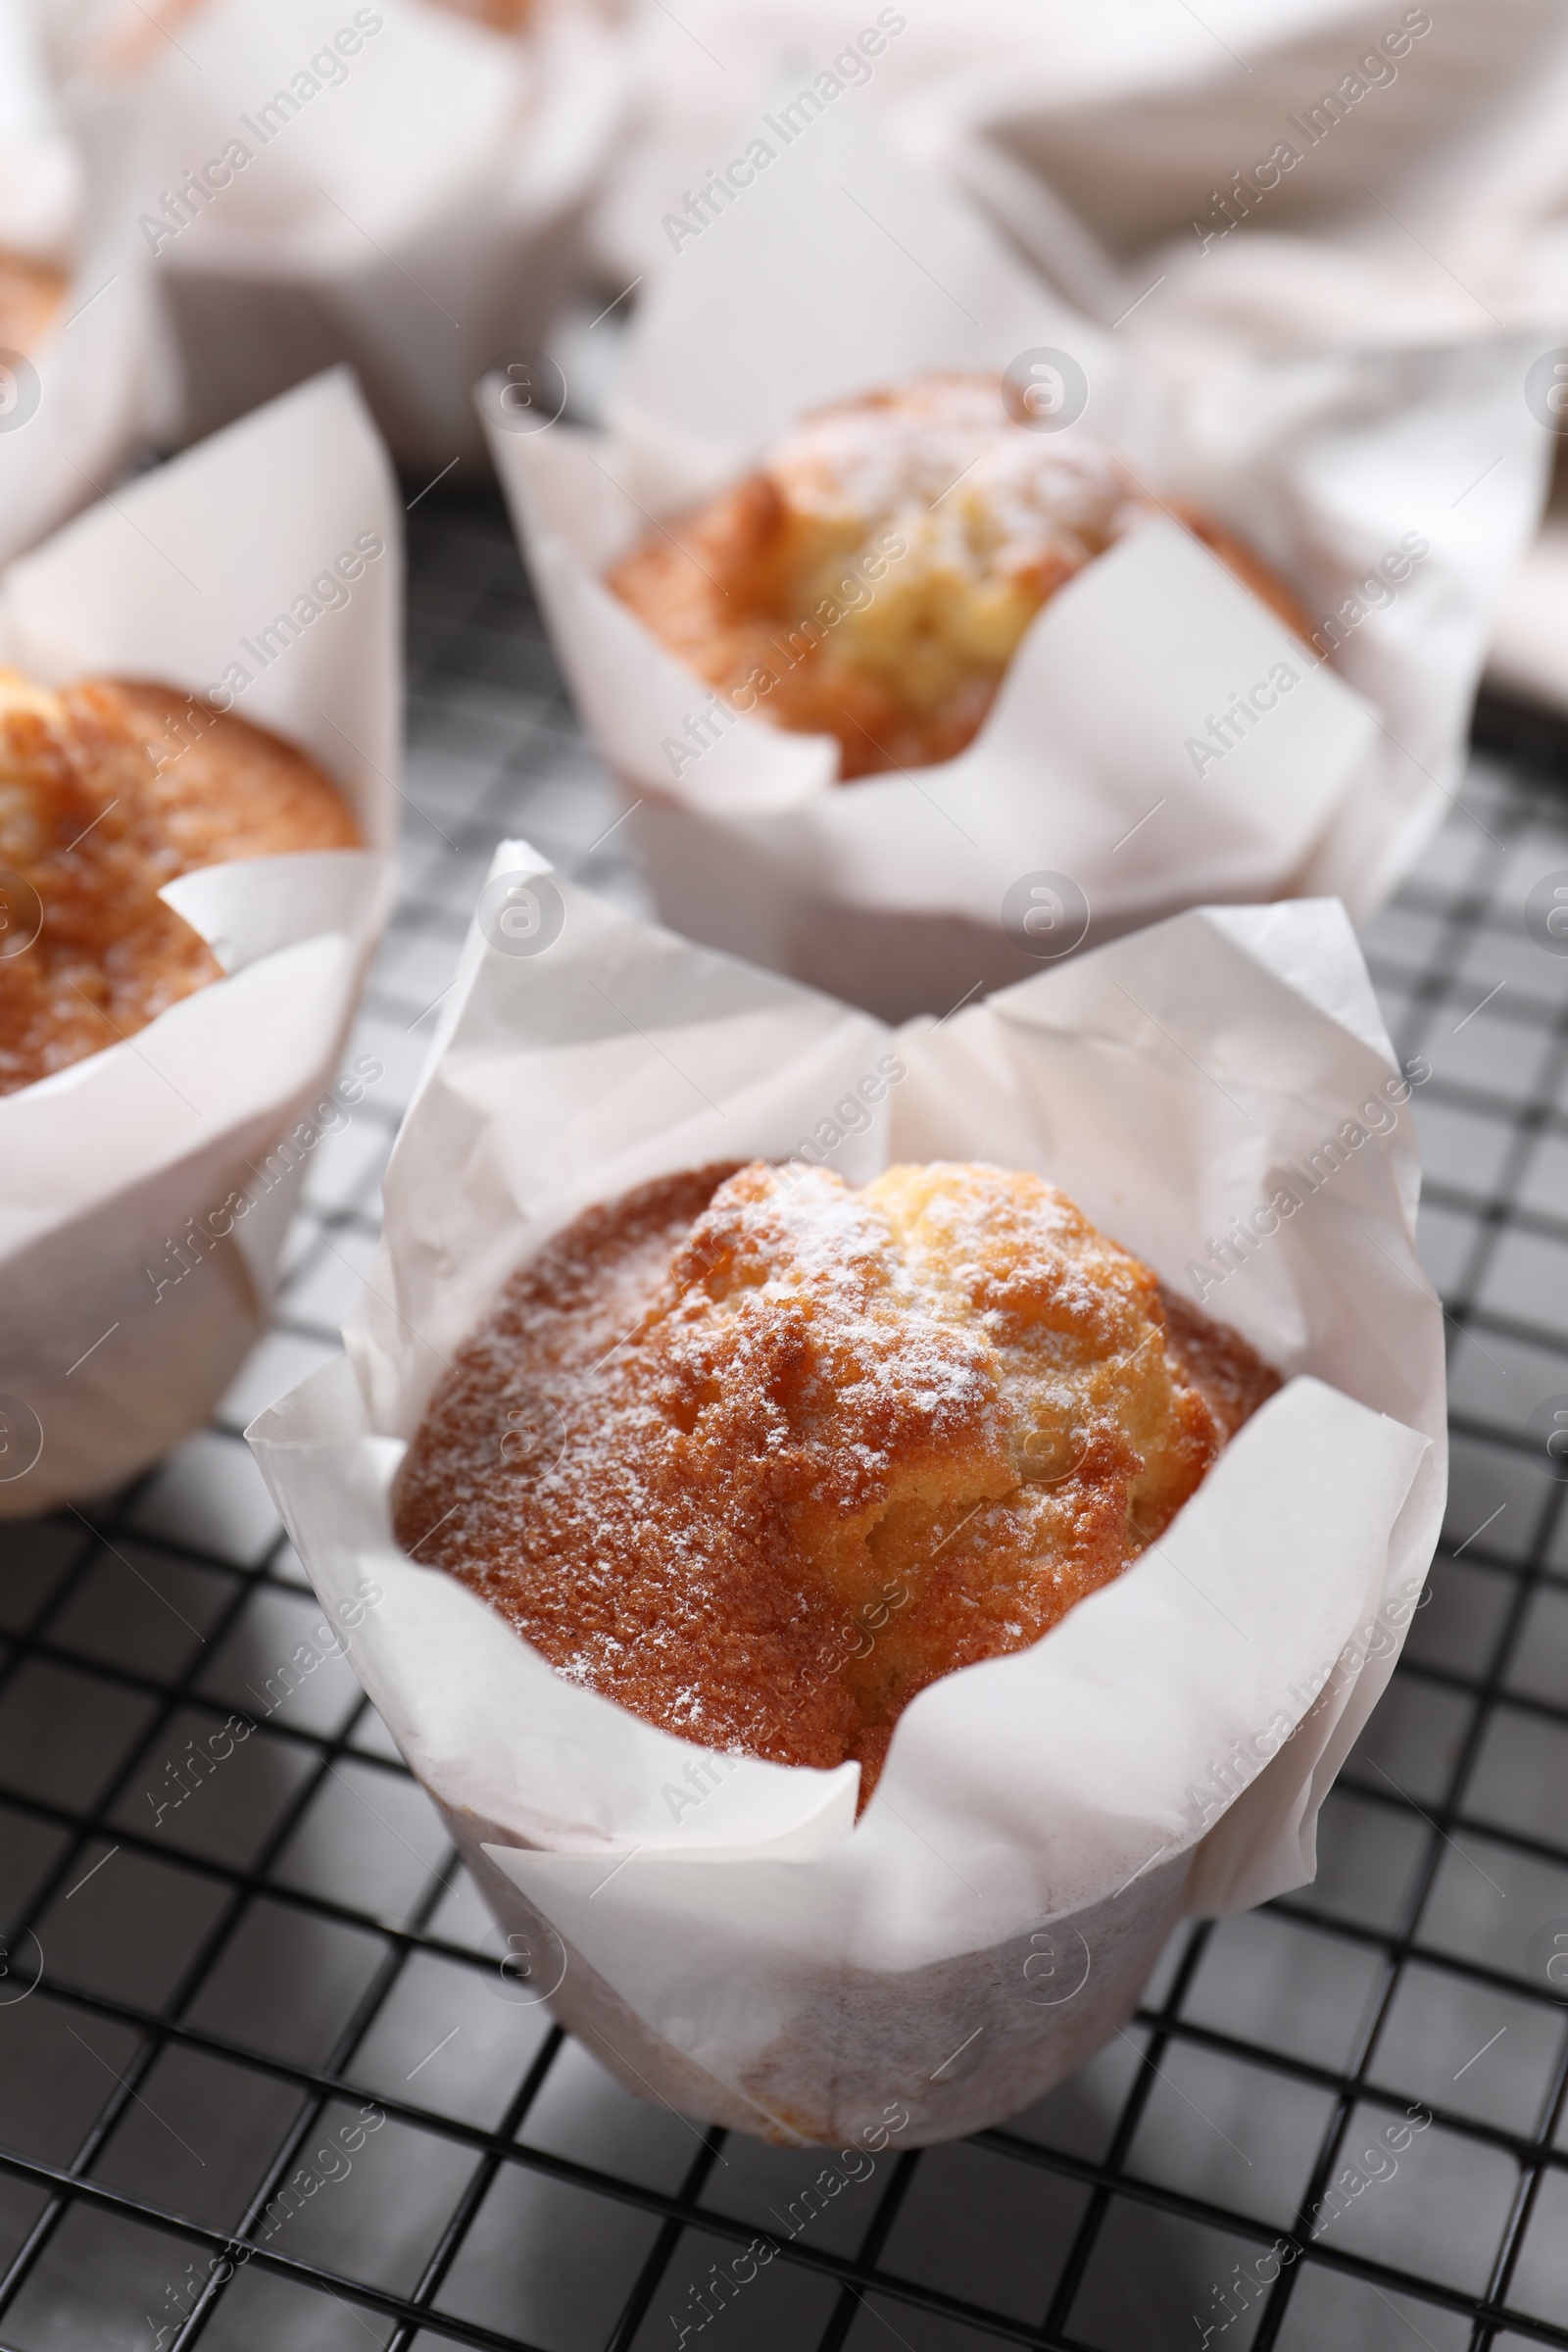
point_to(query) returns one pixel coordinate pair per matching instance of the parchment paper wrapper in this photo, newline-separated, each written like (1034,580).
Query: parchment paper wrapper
(891,890)
(41,192)
(760,1958)
(416,212)
(693,81)
(103,1164)
(85,397)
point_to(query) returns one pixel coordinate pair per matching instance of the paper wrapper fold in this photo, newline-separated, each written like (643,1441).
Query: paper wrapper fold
(86,394)
(416,212)
(762,1958)
(1098,758)
(104,1165)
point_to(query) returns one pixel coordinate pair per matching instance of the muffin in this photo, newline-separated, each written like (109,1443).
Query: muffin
(110,789)
(131,37)
(31,294)
(873,578)
(760,1456)
(501,16)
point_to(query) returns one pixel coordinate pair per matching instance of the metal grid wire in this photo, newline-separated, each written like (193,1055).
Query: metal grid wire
(226,1984)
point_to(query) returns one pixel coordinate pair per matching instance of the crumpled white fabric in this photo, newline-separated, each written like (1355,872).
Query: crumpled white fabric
(1100,135)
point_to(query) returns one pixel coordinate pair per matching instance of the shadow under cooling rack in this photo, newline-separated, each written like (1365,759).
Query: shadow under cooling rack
(287,1979)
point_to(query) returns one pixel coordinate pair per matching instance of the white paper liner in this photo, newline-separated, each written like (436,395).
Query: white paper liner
(890,891)
(754,1958)
(103,1164)
(416,216)
(1430,212)
(62,202)
(40,174)
(694,80)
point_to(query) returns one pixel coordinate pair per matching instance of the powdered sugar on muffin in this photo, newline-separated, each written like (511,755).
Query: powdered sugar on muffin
(760,1455)
(873,578)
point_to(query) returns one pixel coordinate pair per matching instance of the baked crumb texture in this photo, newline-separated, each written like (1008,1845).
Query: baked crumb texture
(789,595)
(759,1455)
(108,790)
(30,295)
(502,15)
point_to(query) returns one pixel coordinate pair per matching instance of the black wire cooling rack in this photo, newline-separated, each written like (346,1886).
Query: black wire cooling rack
(288,1979)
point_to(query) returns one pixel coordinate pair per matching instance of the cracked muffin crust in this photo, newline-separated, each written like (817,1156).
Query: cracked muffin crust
(760,1456)
(108,789)
(873,579)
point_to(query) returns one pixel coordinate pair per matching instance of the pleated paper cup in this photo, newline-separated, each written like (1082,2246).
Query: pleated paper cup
(145,1191)
(1160,738)
(396,186)
(762,1957)
(84,397)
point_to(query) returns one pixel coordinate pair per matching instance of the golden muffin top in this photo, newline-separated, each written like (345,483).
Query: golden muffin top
(760,1455)
(108,790)
(874,576)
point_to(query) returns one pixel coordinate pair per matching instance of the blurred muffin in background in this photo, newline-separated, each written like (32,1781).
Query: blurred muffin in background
(873,578)
(31,294)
